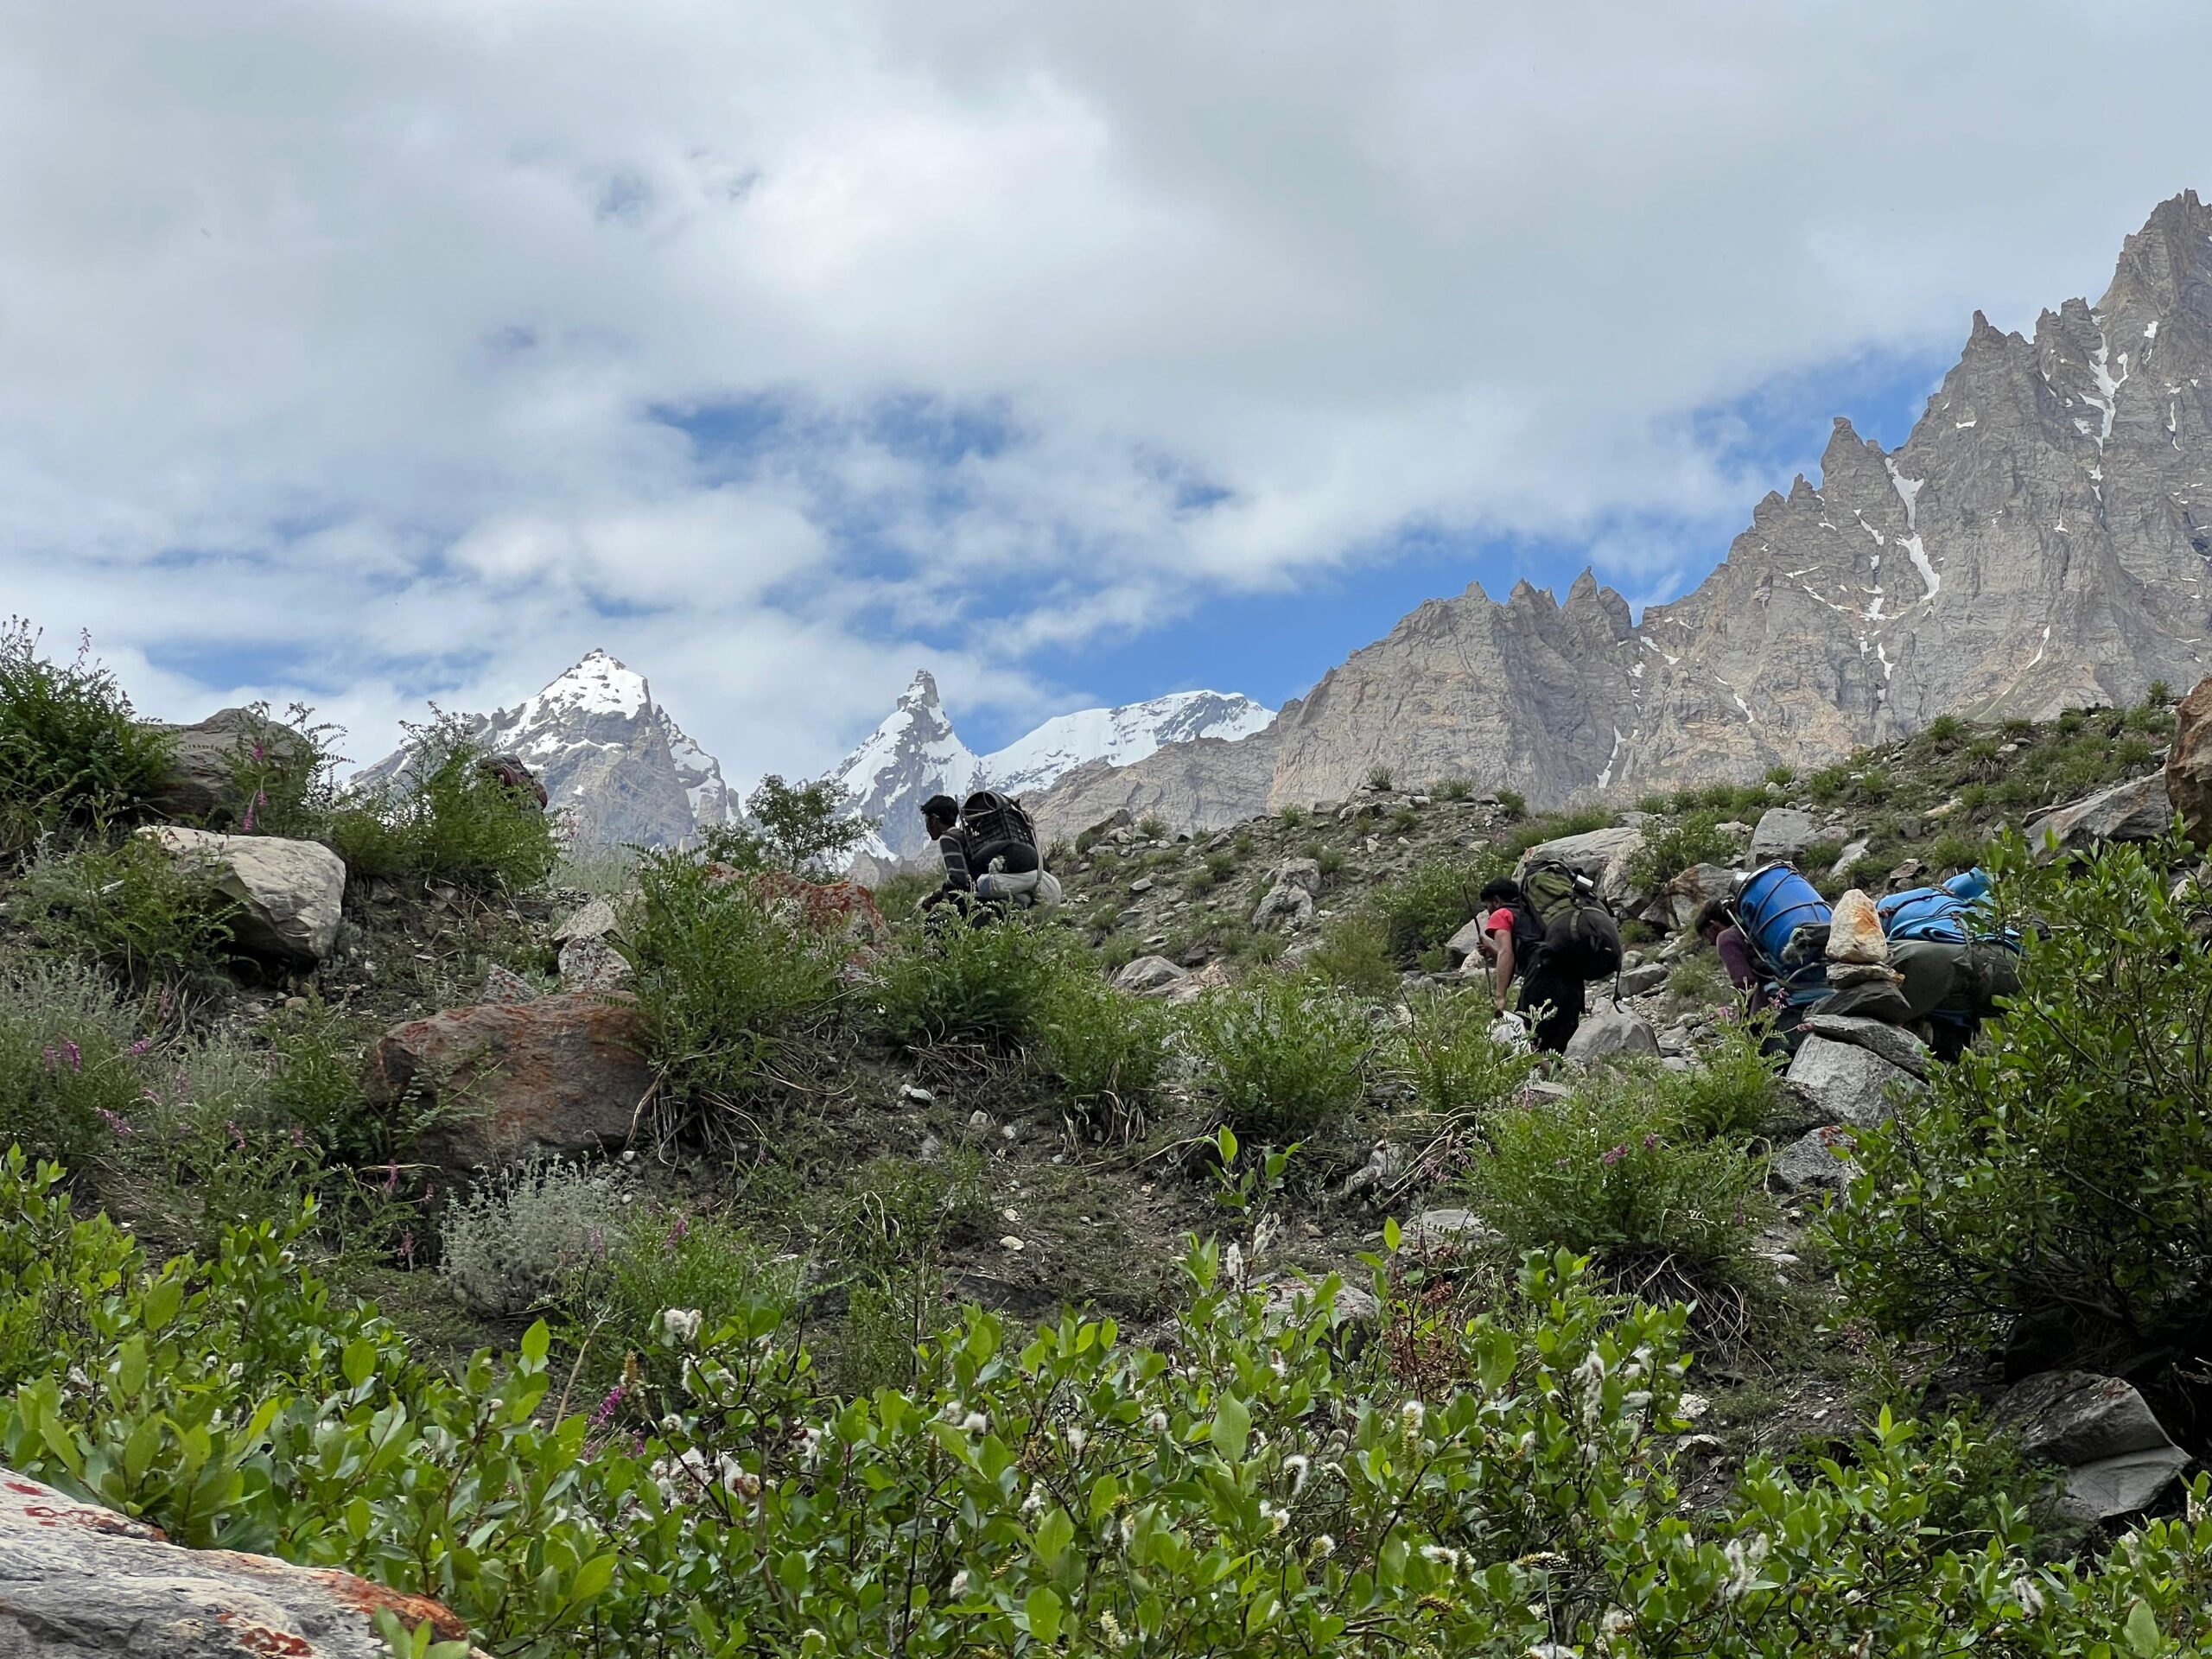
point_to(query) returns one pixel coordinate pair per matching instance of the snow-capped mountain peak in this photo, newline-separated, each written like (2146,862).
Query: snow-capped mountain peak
(916,754)
(610,757)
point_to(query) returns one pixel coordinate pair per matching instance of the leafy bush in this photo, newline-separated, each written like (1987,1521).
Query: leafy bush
(2068,1164)
(701,1265)
(1455,788)
(67,1058)
(1152,827)
(1513,803)
(1280,1057)
(1425,907)
(1698,978)
(987,982)
(1614,1169)
(446,819)
(1445,1055)
(1943,731)
(1673,845)
(1354,955)
(724,983)
(523,1234)
(1731,1094)
(72,759)
(284,772)
(1827,786)
(1381,779)
(150,919)
(1109,1051)
(317,1059)
(806,828)
(1065,1486)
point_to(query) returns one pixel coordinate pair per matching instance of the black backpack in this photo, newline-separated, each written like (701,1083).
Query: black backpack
(992,818)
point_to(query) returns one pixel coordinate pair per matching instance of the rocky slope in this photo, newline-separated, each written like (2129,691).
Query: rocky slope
(915,753)
(608,755)
(2039,542)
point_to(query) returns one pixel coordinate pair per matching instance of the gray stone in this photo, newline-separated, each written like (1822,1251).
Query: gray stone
(1301,873)
(507,986)
(1851,853)
(593,965)
(1287,903)
(1609,1033)
(594,921)
(2117,1456)
(2137,810)
(289,894)
(1445,1229)
(1355,1305)
(1783,833)
(1466,944)
(1142,884)
(1819,1160)
(1900,1047)
(1641,981)
(1842,1083)
(205,759)
(1149,976)
(77,1580)
(1604,855)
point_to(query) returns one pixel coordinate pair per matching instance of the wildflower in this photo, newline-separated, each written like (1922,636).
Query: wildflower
(407,1247)
(605,1413)
(1410,1416)
(975,1423)
(1232,1265)
(237,1135)
(391,1177)
(1275,1519)
(1110,1628)
(1743,1564)
(1157,1422)
(1323,1547)
(682,1324)
(810,1444)
(1614,1154)
(1437,1556)
(1295,1466)
(960,1582)
(1034,1503)
(1651,1140)
(2025,1591)
(299,1137)
(1077,1438)
(140,1047)
(1617,1621)
(115,1121)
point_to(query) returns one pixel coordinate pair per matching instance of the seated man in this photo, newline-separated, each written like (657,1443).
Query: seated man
(941,820)
(991,876)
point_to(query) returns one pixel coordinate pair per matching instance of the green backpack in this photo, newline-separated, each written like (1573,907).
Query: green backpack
(1591,945)
(1555,889)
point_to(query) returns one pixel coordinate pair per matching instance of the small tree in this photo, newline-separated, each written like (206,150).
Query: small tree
(806,828)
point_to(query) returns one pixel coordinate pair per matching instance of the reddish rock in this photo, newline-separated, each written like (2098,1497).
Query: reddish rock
(76,1579)
(2189,765)
(563,1074)
(825,907)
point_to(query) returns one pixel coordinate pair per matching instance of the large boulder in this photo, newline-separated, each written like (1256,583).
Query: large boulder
(289,894)
(1783,832)
(2116,1456)
(1604,855)
(1150,976)
(1819,1160)
(78,1580)
(205,760)
(1842,1083)
(564,1074)
(1290,900)
(2136,811)
(1899,1046)
(1466,944)
(1611,1033)
(2189,765)
(1688,892)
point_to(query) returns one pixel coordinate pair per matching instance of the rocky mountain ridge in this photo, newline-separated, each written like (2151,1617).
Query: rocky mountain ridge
(2039,542)
(915,753)
(609,756)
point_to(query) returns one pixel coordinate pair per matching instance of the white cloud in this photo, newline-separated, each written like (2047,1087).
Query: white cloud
(367,308)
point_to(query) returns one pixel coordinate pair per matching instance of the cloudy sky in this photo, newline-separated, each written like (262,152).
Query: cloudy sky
(372,351)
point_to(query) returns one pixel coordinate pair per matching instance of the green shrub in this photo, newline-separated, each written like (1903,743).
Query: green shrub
(1445,1054)
(68,1080)
(725,983)
(1821,856)
(1354,955)
(148,918)
(284,771)
(1731,1094)
(1405,820)
(990,983)
(1424,908)
(900,896)
(1281,1058)
(1293,817)
(807,828)
(1943,731)
(1109,1050)
(1513,803)
(72,759)
(671,1260)
(1781,776)
(1828,784)
(1529,1501)
(1698,978)
(1381,779)
(1455,788)
(1673,845)
(609,872)
(1152,827)
(523,1234)
(2068,1164)
(1614,1169)
(1951,852)
(317,1060)
(446,819)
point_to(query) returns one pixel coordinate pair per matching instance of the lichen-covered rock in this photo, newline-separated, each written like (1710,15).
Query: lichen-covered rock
(593,964)
(78,1580)
(1856,936)
(290,895)
(1783,833)
(563,1074)
(2136,811)
(207,760)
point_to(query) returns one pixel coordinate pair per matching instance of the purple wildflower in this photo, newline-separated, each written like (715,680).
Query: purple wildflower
(237,1135)
(1616,1154)
(407,1247)
(299,1137)
(605,1414)
(141,1046)
(391,1177)
(115,1121)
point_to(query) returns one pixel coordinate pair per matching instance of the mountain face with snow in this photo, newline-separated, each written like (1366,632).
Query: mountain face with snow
(915,753)
(2040,541)
(611,758)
